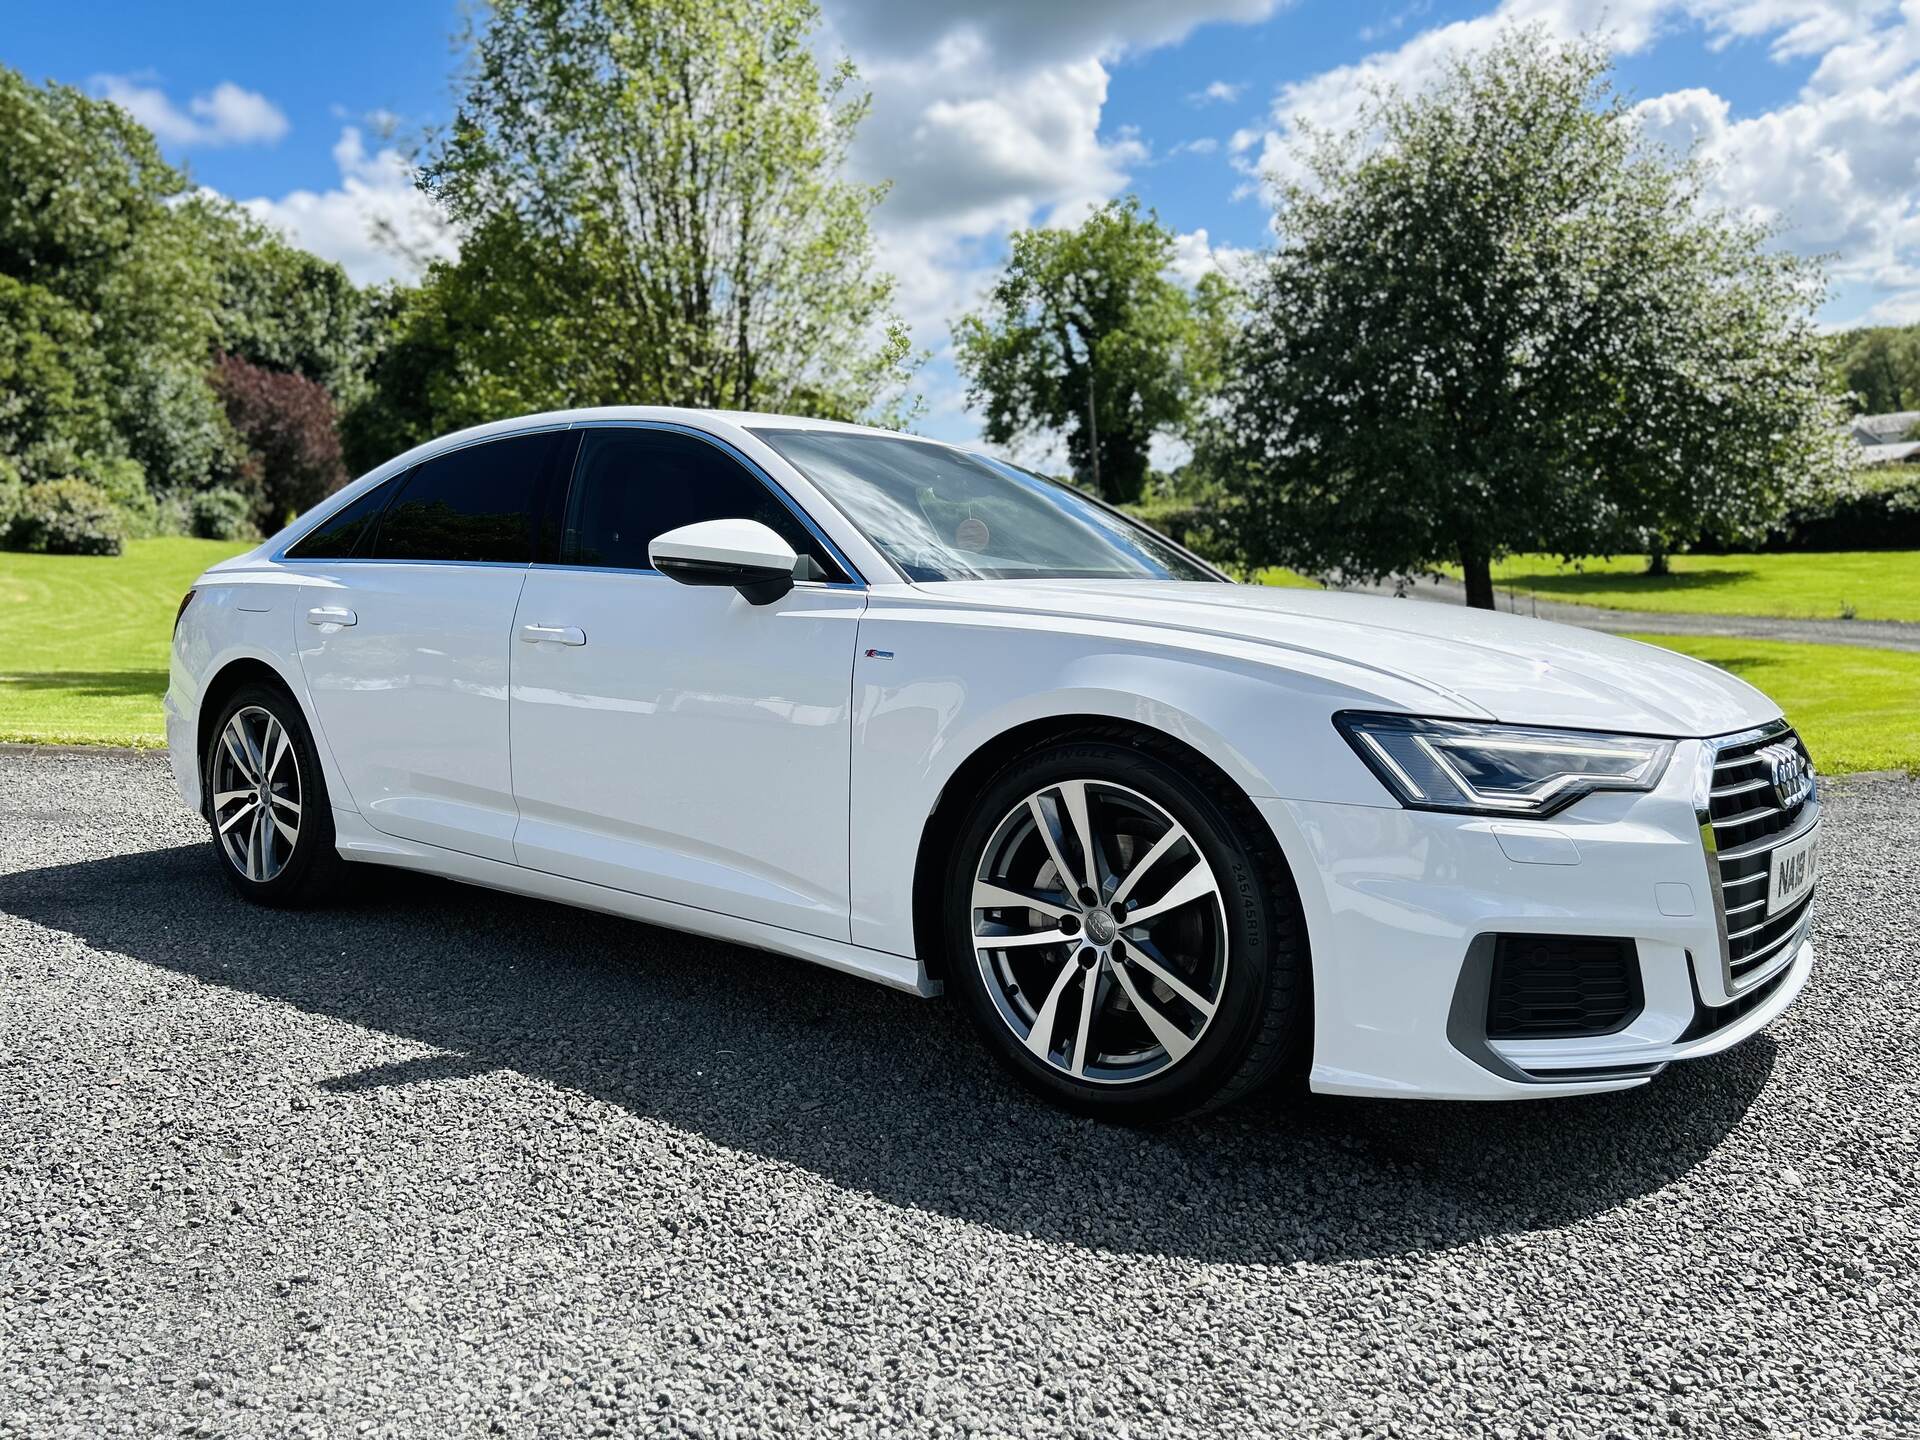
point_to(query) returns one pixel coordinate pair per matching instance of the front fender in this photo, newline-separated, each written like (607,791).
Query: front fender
(931,689)
(242,621)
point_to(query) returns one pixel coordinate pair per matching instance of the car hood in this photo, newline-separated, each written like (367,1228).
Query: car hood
(1471,663)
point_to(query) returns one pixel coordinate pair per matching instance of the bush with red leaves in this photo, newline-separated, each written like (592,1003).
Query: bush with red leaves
(290,431)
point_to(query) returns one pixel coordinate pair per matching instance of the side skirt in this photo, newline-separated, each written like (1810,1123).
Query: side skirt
(359,842)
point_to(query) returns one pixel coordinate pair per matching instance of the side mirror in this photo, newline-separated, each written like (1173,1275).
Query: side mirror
(744,554)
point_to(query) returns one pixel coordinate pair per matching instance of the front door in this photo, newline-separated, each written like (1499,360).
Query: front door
(676,741)
(405,640)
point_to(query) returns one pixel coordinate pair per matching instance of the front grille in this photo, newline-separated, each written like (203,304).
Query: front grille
(1552,986)
(1746,821)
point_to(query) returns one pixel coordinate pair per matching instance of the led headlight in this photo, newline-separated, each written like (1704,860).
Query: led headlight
(1472,768)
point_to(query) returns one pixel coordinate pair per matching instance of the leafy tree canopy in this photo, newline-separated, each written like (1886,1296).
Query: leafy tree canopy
(653,210)
(1497,320)
(1085,333)
(1879,366)
(86,221)
(119,289)
(278,306)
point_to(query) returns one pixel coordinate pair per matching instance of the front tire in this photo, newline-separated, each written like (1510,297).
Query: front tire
(1121,936)
(266,800)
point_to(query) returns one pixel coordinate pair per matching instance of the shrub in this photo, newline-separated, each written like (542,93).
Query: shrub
(221,514)
(68,517)
(287,426)
(13,495)
(1881,513)
(1877,509)
(124,482)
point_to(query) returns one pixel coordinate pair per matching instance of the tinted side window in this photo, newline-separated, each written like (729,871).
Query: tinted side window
(632,485)
(337,536)
(475,504)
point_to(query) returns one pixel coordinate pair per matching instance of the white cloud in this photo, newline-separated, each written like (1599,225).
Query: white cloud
(1797,27)
(1219,91)
(375,222)
(1902,309)
(1195,255)
(224,115)
(1205,145)
(1837,173)
(1031,32)
(979,156)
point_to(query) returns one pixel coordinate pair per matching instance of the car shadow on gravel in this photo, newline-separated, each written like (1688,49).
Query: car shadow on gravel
(874,1090)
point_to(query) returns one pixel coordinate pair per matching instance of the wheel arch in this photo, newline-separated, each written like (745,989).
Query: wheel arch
(942,824)
(229,679)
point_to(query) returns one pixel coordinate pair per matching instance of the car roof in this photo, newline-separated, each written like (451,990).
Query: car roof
(687,414)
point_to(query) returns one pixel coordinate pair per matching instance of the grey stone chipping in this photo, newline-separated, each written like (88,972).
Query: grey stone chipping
(434,1161)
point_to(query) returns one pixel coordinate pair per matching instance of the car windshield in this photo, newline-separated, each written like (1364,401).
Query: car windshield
(943,514)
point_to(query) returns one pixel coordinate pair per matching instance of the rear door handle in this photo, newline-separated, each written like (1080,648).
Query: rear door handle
(332,615)
(558,634)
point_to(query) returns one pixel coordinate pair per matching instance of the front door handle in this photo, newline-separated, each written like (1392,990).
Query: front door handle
(332,615)
(558,634)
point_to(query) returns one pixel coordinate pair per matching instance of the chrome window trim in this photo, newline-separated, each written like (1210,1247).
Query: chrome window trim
(391,560)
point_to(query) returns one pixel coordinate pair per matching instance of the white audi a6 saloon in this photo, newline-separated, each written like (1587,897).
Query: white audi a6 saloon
(915,714)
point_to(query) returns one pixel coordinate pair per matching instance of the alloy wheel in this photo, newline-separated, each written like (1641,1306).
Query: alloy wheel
(1100,931)
(257,793)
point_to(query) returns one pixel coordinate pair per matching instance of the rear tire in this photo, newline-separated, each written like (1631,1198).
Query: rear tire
(266,801)
(1168,978)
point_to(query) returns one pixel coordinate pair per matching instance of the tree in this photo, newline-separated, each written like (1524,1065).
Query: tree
(410,368)
(53,401)
(277,306)
(1084,332)
(1512,325)
(119,287)
(89,217)
(652,209)
(1880,368)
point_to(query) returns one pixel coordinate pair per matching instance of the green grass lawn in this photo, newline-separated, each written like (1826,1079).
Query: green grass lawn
(1857,709)
(1874,584)
(83,658)
(1286,579)
(83,640)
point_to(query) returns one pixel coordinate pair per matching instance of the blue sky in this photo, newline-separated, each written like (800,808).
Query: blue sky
(991,114)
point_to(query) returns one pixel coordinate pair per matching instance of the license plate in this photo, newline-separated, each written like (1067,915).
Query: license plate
(1792,870)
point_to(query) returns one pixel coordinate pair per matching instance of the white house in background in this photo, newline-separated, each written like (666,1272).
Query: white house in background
(1885,439)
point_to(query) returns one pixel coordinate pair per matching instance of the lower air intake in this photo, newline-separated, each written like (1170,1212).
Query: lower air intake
(1554,986)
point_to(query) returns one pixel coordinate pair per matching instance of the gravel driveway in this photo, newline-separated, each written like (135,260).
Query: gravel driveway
(439,1162)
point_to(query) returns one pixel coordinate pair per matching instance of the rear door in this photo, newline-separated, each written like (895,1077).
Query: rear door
(404,641)
(676,741)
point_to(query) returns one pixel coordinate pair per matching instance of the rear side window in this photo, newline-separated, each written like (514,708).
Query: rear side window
(341,533)
(476,504)
(631,485)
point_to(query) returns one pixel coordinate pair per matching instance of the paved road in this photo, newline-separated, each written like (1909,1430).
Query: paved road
(1881,634)
(437,1162)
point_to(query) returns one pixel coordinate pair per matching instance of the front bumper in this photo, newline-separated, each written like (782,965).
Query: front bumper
(183,748)
(1400,907)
